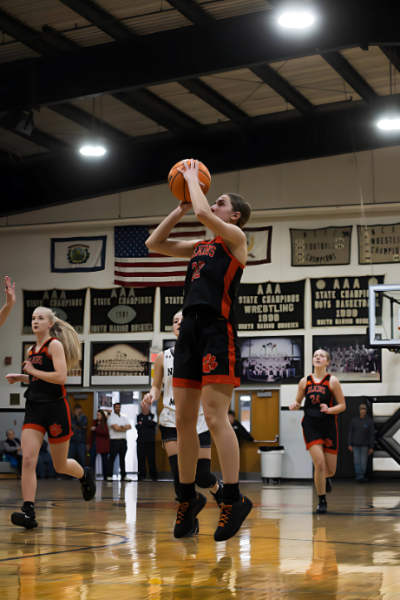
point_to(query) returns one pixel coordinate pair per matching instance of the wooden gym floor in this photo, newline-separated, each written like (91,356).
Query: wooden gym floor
(120,545)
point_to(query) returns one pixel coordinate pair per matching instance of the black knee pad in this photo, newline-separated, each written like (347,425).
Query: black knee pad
(204,477)
(173,461)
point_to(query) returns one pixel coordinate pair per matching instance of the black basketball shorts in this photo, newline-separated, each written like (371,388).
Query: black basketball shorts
(170,434)
(322,431)
(53,417)
(206,352)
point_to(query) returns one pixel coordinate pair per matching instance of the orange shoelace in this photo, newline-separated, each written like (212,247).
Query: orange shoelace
(226,512)
(181,508)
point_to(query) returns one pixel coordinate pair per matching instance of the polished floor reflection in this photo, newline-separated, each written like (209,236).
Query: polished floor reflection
(120,546)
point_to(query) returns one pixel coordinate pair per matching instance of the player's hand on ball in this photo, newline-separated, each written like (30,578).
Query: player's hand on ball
(185,207)
(191,171)
(324,408)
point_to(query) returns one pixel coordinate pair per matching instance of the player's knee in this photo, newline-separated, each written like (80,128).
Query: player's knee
(204,477)
(185,425)
(29,461)
(320,466)
(212,420)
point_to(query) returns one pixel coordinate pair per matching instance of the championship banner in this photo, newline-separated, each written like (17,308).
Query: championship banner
(122,310)
(342,301)
(78,254)
(270,305)
(68,305)
(258,245)
(378,244)
(316,247)
(171,303)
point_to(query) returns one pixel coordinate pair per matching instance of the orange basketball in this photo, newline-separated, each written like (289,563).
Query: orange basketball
(179,186)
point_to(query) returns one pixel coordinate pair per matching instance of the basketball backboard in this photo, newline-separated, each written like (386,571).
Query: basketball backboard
(384,315)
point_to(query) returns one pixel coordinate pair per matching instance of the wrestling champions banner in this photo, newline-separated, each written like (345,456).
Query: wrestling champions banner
(122,310)
(379,244)
(272,306)
(68,305)
(321,247)
(342,301)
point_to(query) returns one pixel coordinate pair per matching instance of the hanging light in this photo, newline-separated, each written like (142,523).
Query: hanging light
(389,124)
(88,150)
(296,19)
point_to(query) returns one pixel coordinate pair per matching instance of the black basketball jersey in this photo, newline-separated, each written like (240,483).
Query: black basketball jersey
(40,390)
(212,279)
(317,394)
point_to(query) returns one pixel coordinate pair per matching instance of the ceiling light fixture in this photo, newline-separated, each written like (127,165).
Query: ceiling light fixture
(389,124)
(93,150)
(296,20)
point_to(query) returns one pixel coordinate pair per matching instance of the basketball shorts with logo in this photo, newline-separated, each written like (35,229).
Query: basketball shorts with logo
(206,352)
(167,426)
(321,431)
(53,417)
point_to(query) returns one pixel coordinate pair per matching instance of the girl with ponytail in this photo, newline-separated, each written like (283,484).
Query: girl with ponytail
(47,409)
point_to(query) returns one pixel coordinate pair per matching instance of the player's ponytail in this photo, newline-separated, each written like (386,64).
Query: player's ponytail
(68,337)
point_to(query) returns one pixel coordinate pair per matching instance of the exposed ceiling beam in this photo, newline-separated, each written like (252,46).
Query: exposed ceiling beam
(85,119)
(350,75)
(143,101)
(41,138)
(24,34)
(282,87)
(157,109)
(186,53)
(192,11)
(393,54)
(223,147)
(101,18)
(214,99)
(57,40)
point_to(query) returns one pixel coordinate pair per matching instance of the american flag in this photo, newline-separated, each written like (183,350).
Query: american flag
(137,266)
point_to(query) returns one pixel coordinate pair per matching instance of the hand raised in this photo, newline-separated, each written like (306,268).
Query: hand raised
(10,290)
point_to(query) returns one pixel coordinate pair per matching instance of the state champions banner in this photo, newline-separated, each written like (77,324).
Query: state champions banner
(68,305)
(343,301)
(270,306)
(122,310)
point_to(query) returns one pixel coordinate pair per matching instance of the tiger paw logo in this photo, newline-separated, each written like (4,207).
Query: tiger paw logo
(328,443)
(55,429)
(209,363)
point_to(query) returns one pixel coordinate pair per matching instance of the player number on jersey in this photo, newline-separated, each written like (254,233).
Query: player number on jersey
(196,269)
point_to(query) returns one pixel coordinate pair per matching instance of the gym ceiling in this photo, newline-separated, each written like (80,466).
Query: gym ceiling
(159,81)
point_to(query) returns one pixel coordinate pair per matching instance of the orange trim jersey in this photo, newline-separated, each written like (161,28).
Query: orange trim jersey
(317,394)
(40,390)
(212,278)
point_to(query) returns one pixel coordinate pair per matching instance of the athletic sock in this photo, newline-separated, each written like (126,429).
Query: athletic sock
(29,508)
(322,498)
(84,478)
(231,492)
(187,491)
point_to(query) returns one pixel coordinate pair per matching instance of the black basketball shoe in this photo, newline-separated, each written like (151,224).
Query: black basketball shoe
(322,507)
(26,518)
(231,518)
(88,484)
(328,485)
(195,530)
(187,513)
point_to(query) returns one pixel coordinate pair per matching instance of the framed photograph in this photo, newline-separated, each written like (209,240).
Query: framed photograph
(168,344)
(272,359)
(120,363)
(74,376)
(352,361)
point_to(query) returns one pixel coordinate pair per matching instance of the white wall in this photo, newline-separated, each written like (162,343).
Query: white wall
(310,194)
